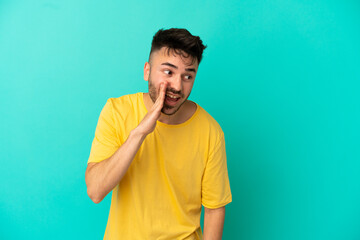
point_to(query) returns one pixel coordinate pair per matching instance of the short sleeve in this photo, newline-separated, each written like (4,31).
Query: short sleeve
(215,188)
(105,142)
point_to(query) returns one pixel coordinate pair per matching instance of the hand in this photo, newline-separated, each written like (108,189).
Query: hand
(148,124)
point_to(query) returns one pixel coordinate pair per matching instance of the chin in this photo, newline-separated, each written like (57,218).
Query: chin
(170,110)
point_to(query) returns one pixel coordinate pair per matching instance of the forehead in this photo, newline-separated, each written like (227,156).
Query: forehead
(177,56)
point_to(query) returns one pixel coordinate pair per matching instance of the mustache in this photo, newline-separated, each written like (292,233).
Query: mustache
(175,92)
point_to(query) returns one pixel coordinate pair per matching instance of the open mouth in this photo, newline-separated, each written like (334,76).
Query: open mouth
(171,99)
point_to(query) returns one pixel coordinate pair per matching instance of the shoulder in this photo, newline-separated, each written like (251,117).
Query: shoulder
(125,102)
(125,99)
(209,122)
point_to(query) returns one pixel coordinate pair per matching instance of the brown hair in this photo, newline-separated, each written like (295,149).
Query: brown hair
(180,41)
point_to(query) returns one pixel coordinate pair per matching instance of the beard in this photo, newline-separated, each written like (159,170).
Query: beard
(166,109)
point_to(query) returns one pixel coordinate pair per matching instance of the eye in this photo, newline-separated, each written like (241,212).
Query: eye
(167,72)
(188,77)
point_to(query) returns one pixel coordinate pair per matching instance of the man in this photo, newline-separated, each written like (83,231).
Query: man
(161,155)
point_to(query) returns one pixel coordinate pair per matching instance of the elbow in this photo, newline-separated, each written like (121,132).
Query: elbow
(93,196)
(91,189)
(93,193)
(96,200)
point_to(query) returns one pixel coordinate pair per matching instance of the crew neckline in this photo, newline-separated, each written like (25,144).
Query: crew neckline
(172,125)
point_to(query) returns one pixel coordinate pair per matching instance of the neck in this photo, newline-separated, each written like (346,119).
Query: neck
(169,119)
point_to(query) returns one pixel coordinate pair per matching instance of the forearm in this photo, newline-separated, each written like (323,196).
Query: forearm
(102,177)
(214,223)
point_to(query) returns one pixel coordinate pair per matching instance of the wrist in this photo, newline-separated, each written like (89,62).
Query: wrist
(138,133)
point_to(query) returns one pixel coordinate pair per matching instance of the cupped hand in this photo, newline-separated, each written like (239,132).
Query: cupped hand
(148,124)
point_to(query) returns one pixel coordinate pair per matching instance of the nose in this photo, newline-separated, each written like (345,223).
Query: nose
(175,83)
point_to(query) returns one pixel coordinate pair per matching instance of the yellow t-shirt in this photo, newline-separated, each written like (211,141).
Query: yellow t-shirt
(177,168)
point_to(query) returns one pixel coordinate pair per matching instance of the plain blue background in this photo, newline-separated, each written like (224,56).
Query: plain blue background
(281,77)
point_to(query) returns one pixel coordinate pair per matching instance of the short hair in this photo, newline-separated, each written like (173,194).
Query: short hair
(180,41)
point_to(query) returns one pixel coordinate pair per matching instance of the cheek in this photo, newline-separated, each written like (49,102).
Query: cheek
(188,87)
(157,79)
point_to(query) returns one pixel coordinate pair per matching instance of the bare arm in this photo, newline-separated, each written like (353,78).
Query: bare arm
(102,177)
(214,223)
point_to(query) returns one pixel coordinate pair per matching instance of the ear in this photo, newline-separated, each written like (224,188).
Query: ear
(146,71)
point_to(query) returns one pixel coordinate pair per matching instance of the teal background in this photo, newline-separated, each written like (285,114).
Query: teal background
(281,77)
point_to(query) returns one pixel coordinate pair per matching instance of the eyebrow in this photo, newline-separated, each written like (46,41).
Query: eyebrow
(172,65)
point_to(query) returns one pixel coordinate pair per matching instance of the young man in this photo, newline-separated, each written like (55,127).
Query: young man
(161,155)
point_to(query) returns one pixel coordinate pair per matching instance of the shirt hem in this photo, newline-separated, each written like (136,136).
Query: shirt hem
(217,205)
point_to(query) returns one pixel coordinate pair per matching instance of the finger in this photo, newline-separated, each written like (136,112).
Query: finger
(162,91)
(161,97)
